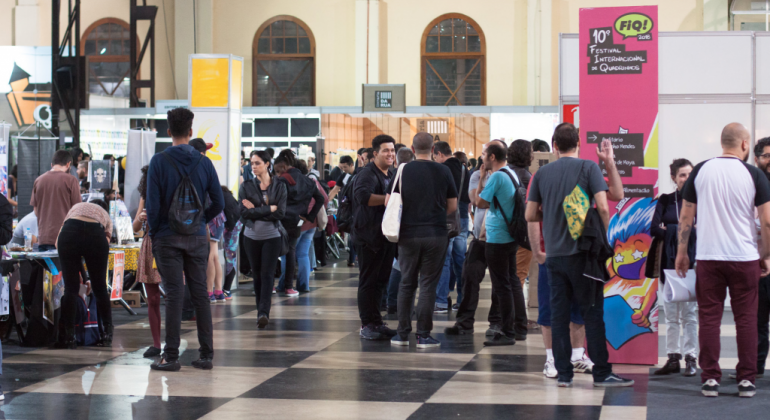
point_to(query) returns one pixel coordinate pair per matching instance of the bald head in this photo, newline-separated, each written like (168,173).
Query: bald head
(422,143)
(733,135)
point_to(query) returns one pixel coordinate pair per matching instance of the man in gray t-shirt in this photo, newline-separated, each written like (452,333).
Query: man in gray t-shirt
(578,183)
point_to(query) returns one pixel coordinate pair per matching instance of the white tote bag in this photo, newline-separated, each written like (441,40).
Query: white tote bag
(391,221)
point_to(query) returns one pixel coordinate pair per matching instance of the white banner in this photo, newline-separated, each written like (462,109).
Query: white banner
(5,144)
(141,148)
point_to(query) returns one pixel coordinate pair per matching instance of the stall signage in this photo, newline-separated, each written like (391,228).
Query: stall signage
(619,105)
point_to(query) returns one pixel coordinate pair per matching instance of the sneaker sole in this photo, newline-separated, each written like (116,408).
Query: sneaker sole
(441,312)
(399,343)
(614,385)
(710,393)
(747,394)
(292,294)
(565,384)
(550,377)
(427,346)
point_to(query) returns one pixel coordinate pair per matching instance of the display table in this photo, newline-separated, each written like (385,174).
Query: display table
(131,256)
(32,266)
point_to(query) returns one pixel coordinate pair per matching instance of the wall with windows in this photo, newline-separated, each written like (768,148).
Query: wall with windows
(521,38)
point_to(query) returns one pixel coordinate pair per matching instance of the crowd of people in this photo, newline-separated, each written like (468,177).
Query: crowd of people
(558,216)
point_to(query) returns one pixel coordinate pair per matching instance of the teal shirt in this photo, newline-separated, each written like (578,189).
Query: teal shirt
(499,185)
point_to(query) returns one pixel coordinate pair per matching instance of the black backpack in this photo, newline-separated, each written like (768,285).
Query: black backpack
(345,207)
(517,226)
(185,213)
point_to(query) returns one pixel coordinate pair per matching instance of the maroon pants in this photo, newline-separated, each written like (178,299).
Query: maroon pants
(153,310)
(742,279)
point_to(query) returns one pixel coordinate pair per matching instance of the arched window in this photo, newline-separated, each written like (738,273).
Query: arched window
(106,44)
(284,63)
(453,62)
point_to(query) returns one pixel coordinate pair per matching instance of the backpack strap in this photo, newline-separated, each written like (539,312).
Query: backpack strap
(516,187)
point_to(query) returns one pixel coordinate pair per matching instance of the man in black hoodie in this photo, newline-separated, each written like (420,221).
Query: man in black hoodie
(455,255)
(174,253)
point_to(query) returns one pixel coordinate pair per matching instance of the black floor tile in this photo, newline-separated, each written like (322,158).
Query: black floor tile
(324,275)
(251,358)
(631,396)
(675,397)
(504,411)
(310,300)
(290,325)
(352,385)
(506,363)
(345,283)
(449,344)
(108,407)
(18,375)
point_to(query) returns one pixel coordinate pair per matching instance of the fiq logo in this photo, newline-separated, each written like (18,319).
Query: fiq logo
(634,24)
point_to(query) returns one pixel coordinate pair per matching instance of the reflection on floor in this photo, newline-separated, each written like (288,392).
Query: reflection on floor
(311,364)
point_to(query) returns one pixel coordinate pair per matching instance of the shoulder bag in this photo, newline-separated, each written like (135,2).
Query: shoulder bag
(391,220)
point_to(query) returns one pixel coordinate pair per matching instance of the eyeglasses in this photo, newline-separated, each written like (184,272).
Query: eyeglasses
(765,156)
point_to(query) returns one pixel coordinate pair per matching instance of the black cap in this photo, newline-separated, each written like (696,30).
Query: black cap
(198,144)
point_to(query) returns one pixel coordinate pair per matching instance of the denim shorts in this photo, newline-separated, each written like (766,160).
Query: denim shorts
(544,301)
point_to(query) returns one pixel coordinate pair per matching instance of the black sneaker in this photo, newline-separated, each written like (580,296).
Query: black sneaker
(427,342)
(746,389)
(500,340)
(613,381)
(438,310)
(455,307)
(373,332)
(262,322)
(386,332)
(152,352)
(494,329)
(166,365)
(203,363)
(710,388)
(564,384)
(400,340)
(457,330)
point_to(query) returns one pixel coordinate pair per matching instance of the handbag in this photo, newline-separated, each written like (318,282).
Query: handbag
(391,220)
(453,221)
(322,219)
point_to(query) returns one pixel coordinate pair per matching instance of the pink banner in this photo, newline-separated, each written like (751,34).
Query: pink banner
(619,102)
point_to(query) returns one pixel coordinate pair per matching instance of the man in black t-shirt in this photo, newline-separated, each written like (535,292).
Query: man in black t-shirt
(428,195)
(347,167)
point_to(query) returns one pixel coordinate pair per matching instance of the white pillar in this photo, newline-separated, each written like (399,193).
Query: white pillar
(715,15)
(539,57)
(25,23)
(367,55)
(193,34)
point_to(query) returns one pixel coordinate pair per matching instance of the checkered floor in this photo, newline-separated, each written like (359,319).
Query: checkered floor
(311,364)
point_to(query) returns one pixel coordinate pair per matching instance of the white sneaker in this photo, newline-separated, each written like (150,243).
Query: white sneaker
(583,365)
(550,369)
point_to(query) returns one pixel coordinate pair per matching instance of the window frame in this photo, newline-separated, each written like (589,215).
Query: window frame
(96,58)
(257,57)
(425,56)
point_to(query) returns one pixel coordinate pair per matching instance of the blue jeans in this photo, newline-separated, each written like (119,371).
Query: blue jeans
(303,261)
(568,284)
(455,258)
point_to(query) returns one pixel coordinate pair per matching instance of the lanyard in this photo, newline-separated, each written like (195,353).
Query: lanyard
(676,201)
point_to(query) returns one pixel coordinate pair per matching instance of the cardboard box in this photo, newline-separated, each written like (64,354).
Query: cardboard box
(133,299)
(541,159)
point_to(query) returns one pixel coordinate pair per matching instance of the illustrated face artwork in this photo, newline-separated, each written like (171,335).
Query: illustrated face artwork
(100,174)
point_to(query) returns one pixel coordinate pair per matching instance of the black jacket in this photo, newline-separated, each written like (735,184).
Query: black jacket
(367,220)
(594,244)
(457,167)
(232,210)
(6,220)
(276,195)
(299,191)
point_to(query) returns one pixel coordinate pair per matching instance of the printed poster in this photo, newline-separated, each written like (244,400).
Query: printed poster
(117,276)
(99,175)
(619,102)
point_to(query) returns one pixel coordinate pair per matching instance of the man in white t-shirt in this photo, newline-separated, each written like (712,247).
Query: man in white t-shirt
(724,192)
